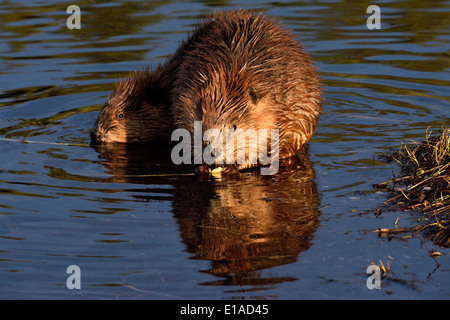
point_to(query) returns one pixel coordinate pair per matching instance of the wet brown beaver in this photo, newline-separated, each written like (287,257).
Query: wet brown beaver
(138,109)
(238,71)
(245,71)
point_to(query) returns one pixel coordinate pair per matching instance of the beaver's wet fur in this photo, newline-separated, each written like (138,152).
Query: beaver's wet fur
(245,71)
(137,110)
(236,70)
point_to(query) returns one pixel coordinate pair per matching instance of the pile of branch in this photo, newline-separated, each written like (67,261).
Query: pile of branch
(424,185)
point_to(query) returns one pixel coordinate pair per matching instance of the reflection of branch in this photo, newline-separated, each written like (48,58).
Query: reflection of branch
(388,231)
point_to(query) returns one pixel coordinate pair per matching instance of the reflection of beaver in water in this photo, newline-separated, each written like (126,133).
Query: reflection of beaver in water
(238,70)
(240,230)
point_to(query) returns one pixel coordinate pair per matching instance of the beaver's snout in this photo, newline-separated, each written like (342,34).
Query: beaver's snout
(95,137)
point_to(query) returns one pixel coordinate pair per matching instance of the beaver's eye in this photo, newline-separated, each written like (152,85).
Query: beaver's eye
(234,127)
(120,116)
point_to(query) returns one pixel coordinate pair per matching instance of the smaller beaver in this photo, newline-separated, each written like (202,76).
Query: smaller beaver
(136,110)
(245,72)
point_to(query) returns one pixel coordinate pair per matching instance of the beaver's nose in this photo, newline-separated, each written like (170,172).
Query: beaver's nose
(95,137)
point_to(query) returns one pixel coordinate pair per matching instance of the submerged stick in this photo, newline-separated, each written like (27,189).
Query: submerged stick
(46,142)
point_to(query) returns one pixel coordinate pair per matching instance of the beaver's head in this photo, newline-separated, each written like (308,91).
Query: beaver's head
(136,111)
(235,112)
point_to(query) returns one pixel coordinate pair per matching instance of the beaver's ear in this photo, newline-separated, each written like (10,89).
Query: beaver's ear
(254,95)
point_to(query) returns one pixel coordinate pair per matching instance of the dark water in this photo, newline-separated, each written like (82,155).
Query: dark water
(139,228)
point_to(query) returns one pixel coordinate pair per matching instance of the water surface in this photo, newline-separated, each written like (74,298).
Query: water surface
(140,228)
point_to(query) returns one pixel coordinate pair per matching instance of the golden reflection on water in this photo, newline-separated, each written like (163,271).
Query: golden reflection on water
(242,223)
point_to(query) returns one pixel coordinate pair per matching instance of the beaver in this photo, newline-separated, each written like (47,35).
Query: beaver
(137,110)
(246,71)
(238,71)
